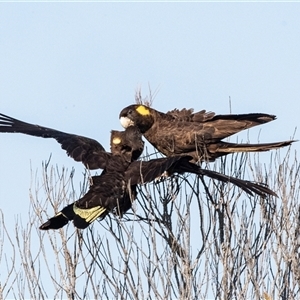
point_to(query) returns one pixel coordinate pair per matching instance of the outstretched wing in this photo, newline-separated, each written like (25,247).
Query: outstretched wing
(146,171)
(248,186)
(80,148)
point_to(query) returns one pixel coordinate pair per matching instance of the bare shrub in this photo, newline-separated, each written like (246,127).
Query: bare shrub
(186,238)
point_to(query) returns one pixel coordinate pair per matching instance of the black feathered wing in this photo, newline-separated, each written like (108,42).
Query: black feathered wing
(140,172)
(188,115)
(80,148)
(248,186)
(146,171)
(203,140)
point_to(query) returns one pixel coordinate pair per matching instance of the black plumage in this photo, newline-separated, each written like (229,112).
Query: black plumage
(88,151)
(108,192)
(114,190)
(200,134)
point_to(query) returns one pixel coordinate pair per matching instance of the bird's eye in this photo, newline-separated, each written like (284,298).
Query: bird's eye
(129,112)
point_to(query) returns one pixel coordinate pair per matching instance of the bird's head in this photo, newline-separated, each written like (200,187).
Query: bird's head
(137,115)
(128,143)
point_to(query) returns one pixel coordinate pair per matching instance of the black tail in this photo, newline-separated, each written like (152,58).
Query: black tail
(82,217)
(59,220)
(63,218)
(224,148)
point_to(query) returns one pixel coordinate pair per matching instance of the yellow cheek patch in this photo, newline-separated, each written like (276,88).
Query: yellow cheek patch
(116,141)
(143,110)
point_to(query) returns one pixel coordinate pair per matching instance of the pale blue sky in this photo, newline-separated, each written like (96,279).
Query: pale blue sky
(74,66)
